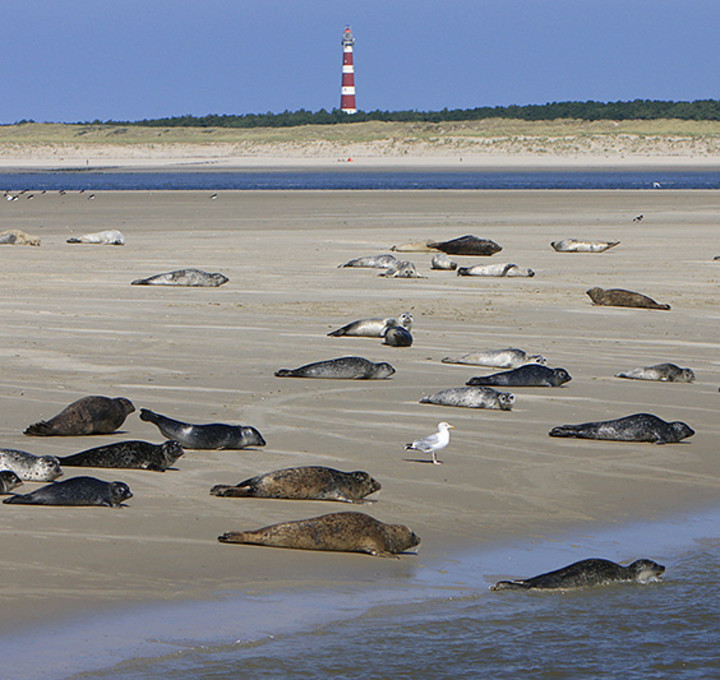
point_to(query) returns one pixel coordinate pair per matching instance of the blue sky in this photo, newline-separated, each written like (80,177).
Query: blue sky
(81,60)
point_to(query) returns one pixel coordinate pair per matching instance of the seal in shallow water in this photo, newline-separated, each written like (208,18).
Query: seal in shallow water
(591,572)
(76,491)
(108,237)
(618,297)
(472,397)
(309,483)
(661,372)
(529,375)
(210,436)
(639,427)
(498,358)
(338,531)
(29,467)
(371,261)
(372,328)
(572,245)
(137,455)
(348,368)
(183,277)
(88,415)
(8,481)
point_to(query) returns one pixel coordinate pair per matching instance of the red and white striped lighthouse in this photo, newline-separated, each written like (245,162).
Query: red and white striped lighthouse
(347,91)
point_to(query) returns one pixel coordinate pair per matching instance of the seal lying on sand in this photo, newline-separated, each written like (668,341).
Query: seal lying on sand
(530,375)
(498,270)
(183,277)
(498,358)
(472,397)
(662,372)
(373,328)
(371,261)
(414,247)
(466,245)
(442,261)
(131,454)
(76,491)
(17,237)
(211,436)
(8,481)
(108,237)
(401,269)
(29,467)
(397,336)
(88,415)
(571,245)
(592,572)
(307,483)
(338,531)
(617,297)
(348,368)
(639,427)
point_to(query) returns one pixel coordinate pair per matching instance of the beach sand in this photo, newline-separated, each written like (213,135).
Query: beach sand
(73,326)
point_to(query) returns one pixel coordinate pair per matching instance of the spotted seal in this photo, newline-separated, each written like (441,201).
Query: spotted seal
(210,436)
(466,245)
(338,531)
(397,336)
(472,397)
(498,270)
(639,427)
(87,415)
(309,483)
(661,372)
(183,277)
(443,262)
(8,481)
(572,245)
(618,297)
(371,261)
(137,455)
(372,328)
(76,491)
(107,237)
(30,467)
(509,357)
(348,368)
(585,573)
(402,269)
(529,375)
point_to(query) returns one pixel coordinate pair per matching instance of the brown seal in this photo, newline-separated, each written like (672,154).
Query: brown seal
(338,531)
(88,415)
(617,297)
(17,237)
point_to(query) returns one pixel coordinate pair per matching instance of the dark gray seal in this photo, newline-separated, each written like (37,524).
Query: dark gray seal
(585,573)
(472,397)
(30,467)
(466,245)
(183,277)
(661,372)
(618,297)
(338,531)
(372,328)
(348,368)
(76,491)
(136,455)
(210,436)
(639,427)
(530,375)
(371,261)
(8,481)
(88,415)
(307,483)
(397,336)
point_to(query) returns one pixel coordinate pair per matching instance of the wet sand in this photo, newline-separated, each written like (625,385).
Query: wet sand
(72,326)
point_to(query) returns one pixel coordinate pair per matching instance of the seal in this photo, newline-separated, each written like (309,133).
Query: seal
(617,297)
(661,372)
(8,481)
(402,269)
(497,270)
(347,368)
(136,455)
(530,375)
(373,328)
(414,247)
(472,397)
(338,531)
(183,277)
(76,491)
(371,261)
(29,467)
(211,436)
(572,245)
(397,336)
(88,415)
(17,237)
(108,237)
(510,357)
(585,573)
(306,483)
(466,245)
(442,261)
(639,427)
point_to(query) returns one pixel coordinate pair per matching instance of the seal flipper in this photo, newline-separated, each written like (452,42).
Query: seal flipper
(41,429)
(242,490)
(285,373)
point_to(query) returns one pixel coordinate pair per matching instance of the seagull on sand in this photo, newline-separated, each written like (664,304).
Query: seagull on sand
(433,442)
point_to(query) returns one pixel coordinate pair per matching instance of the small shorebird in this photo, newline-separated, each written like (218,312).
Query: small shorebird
(433,442)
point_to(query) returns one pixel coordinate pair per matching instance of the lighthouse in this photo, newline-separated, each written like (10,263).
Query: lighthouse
(347,91)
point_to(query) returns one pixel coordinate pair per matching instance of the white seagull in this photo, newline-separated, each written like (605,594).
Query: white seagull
(433,442)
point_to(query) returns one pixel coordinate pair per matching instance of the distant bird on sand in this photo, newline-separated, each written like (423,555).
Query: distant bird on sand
(639,218)
(433,442)
(213,197)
